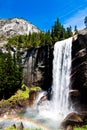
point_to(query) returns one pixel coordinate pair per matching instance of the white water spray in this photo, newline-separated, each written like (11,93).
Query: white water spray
(61,76)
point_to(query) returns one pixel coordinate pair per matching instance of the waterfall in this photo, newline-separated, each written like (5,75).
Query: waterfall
(51,113)
(61,76)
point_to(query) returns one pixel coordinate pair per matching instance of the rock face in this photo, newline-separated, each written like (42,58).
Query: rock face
(38,67)
(79,67)
(16,26)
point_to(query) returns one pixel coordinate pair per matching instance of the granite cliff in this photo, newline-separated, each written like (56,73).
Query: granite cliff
(16,26)
(38,67)
(79,67)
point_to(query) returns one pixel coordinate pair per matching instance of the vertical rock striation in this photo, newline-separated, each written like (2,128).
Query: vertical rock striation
(38,67)
(79,67)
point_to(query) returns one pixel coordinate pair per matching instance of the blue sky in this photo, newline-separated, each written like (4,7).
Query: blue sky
(43,13)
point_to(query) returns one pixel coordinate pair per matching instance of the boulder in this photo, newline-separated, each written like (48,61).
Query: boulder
(33,97)
(72,119)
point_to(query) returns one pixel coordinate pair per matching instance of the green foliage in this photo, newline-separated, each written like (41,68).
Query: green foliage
(19,95)
(22,93)
(69,32)
(85,21)
(59,32)
(35,88)
(24,87)
(13,128)
(11,74)
(56,31)
(76,30)
(81,128)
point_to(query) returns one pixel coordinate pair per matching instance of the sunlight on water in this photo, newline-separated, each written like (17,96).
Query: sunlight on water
(61,76)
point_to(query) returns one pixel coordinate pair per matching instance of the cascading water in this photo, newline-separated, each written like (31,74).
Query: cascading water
(51,113)
(61,76)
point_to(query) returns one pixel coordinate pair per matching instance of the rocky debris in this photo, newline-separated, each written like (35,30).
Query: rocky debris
(16,26)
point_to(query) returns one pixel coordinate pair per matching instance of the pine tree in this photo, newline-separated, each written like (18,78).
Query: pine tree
(58,31)
(48,38)
(69,32)
(76,30)
(11,74)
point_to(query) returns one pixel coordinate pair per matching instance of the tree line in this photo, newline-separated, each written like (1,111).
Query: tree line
(35,40)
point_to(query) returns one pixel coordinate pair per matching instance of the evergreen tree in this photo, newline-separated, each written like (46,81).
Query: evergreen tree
(58,31)
(48,38)
(69,32)
(76,30)
(42,39)
(11,74)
